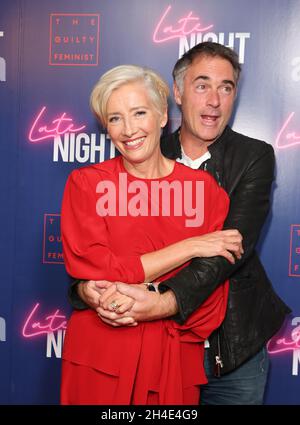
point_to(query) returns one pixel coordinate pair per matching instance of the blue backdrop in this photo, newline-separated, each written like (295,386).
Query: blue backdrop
(51,54)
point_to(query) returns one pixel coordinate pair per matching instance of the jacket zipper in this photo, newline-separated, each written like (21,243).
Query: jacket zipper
(218,361)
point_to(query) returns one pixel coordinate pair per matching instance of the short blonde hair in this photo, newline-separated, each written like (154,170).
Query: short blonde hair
(156,87)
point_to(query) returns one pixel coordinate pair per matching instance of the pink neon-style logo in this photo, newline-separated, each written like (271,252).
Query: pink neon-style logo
(184,26)
(51,323)
(63,124)
(287,138)
(279,345)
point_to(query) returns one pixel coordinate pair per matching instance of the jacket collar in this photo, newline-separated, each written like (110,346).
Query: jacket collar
(171,148)
(170,145)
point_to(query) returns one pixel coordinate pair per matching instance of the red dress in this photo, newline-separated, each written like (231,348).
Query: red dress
(158,362)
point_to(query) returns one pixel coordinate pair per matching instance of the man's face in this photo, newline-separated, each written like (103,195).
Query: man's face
(209,90)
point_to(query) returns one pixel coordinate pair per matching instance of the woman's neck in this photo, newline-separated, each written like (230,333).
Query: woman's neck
(153,168)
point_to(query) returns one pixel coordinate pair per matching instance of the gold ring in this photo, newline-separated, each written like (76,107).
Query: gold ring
(114,305)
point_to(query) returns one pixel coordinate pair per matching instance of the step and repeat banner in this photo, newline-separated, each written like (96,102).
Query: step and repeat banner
(51,54)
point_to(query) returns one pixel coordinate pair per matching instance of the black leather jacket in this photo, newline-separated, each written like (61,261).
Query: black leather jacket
(244,167)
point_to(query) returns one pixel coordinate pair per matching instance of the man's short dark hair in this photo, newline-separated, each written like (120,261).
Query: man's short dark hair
(207,48)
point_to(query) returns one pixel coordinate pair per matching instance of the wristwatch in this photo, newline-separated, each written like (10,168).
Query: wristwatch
(150,286)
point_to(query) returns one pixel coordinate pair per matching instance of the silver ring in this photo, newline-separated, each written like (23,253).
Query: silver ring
(114,305)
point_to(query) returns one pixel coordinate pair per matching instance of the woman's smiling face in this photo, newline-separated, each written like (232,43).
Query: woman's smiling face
(133,122)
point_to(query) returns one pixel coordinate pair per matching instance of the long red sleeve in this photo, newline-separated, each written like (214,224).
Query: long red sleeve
(87,252)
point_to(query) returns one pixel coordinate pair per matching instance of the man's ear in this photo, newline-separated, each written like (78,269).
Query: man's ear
(177,95)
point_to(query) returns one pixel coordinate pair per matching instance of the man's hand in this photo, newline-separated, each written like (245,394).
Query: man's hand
(147,306)
(91,291)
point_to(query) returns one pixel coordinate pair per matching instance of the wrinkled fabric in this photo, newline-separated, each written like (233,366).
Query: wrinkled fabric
(161,356)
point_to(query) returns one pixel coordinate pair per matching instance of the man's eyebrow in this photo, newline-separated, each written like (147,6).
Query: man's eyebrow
(232,83)
(201,77)
(206,78)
